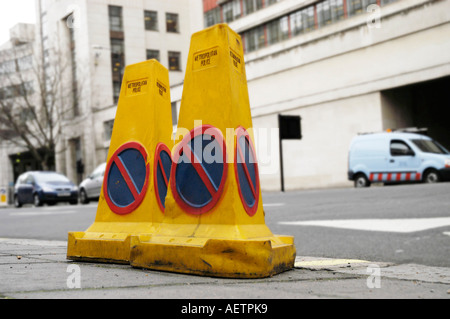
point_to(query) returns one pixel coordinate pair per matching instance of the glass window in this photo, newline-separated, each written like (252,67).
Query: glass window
(307,19)
(99,171)
(429,146)
(324,13)
(269,2)
(383,2)
(232,10)
(172,22)
(252,5)
(400,148)
(296,23)
(153,54)
(116,91)
(212,17)
(151,20)
(302,21)
(277,30)
(108,126)
(354,7)
(174,61)
(254,39)
(337,9)
(115,18)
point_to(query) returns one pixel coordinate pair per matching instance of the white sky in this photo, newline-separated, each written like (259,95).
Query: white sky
(13,12)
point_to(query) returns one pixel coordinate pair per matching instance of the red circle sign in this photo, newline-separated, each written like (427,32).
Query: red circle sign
(199,170)
(161,173)
(126,178)
(246,171)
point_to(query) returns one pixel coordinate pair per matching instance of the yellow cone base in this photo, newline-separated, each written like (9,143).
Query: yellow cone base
(241,258)
(100,247)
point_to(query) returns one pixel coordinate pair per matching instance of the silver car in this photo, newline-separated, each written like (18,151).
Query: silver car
(91,187)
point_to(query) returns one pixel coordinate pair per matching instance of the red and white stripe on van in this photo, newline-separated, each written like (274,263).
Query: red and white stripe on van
(395,177)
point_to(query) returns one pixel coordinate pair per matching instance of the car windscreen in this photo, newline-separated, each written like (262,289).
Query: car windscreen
(50,177)
(429,146)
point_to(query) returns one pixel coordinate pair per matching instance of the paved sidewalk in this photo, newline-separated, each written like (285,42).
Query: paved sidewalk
(31,269)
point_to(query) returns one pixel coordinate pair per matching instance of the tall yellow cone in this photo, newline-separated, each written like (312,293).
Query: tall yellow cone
(214,220)
(137,172)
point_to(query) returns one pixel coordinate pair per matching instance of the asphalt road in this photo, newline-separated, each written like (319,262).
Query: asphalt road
(399,224)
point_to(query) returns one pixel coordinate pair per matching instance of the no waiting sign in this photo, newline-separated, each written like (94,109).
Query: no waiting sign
(199,170)
(126,178)
(246,170)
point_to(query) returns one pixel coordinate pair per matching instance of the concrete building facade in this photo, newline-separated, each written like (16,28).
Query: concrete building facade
(94,40)
(345,67)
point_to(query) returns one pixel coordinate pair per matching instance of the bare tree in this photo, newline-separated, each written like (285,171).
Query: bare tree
(34,101)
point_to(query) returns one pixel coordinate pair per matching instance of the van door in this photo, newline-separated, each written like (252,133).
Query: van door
(403,164)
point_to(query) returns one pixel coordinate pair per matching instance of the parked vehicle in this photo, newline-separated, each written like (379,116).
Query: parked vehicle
(393,157)
(91,187)
(39,187)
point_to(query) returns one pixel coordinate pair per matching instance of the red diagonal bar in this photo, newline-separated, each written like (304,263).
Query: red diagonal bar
(200,170)
(247,174)
(162,170)
(127,178)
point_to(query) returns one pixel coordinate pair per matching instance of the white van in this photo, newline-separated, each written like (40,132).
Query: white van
(392,157)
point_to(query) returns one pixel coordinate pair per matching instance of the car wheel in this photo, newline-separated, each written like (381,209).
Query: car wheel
(361,181)
(37,201)
(431,177)
(83,197)
(17,202)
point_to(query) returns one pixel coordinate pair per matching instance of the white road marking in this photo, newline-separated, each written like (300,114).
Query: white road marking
(42,213)
(273,204)
(406,225)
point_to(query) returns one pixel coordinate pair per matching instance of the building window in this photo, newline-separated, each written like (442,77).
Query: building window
(174,61)
(172,22)
(117,49)
(252,5)
(151,20)
(232,10)
(337,9)
(116,91)
(324,13)
(212,17)
(118,66)
(354,7)
(153,54)
(115,18)
(292,24)
(254,39)
(296,23)
(108,127)
(277,30)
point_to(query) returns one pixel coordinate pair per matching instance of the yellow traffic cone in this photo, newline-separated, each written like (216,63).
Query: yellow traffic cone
(138,168)
(214,219)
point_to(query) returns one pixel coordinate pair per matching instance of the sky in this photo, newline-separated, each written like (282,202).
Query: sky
(13,12)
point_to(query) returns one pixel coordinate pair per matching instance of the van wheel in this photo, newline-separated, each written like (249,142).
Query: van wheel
(361,181)
(431,176)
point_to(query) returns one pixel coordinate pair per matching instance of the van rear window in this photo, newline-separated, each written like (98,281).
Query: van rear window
(429,146)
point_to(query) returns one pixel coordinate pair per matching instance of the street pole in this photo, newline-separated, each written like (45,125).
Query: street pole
(281,153)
